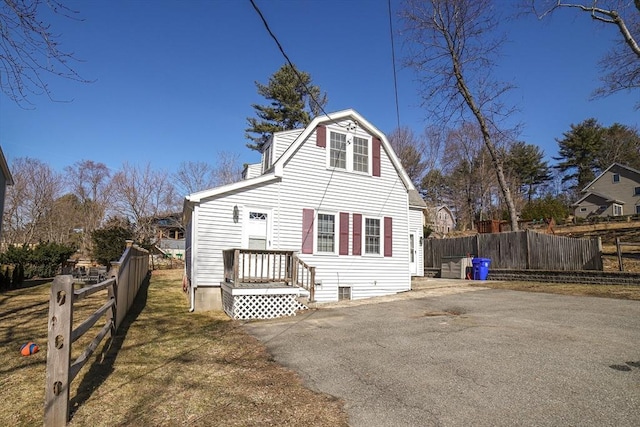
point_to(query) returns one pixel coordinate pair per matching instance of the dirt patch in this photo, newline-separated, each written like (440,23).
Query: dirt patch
(449,312)
(165,366)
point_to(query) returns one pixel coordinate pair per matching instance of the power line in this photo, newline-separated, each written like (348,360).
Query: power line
(393,60)
(273,36)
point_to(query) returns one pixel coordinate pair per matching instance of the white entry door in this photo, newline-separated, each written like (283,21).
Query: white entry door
(257,229)
(413,253)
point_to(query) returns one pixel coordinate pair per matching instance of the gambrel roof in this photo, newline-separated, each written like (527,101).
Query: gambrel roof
(277,170)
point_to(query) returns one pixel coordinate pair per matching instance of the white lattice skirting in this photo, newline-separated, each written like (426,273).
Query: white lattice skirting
(245,307)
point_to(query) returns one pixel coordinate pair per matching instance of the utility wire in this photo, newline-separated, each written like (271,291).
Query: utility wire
(393,60)
(273,36)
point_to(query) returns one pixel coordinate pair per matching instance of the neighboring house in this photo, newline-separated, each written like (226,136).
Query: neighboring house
(334,192)
(168,227)
(172,248)
(5,180)
(440,219)
(615,192)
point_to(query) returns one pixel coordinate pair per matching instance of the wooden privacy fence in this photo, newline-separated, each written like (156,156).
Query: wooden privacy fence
(121,288)
(519,250)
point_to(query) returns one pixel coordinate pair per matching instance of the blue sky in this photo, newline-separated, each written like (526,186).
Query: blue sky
(174,81)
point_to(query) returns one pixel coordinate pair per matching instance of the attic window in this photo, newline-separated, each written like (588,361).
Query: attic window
(636,191)
(338,151)
(267,157)
(349,152)
(616,177)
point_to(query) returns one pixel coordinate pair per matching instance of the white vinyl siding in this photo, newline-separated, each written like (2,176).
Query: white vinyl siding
(282,141)
(307,182)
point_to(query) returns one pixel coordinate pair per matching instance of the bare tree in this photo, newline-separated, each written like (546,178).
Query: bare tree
(142,194)
(228,169)
(30,49)
(621,66)
(410,150)
(470,173)
(453,43)
(192,177)
(89,181)
(29,200)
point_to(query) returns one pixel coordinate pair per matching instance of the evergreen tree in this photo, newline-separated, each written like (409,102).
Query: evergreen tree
(578,153)
(110,241)
(294,102)
(526,163)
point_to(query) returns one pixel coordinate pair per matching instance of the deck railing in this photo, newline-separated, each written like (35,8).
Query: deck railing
(267,266)
(304,276)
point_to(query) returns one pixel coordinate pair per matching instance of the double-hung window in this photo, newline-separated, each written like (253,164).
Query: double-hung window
(350,153)
(372,236)
(617,210)
(360,154)
(338,150)
(326,233)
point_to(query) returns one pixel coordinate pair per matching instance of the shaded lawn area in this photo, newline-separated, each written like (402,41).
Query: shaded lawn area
(165,366)
(604,291)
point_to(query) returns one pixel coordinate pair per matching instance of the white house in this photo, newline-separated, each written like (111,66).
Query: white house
(334,192)
(5,180)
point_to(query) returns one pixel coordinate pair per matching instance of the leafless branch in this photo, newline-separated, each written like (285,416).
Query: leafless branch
(30,50)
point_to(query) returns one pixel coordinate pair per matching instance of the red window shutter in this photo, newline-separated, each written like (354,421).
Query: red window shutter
(307,231)
(388,236)
(376,156)
(357,234)
(321,136)
(344,233)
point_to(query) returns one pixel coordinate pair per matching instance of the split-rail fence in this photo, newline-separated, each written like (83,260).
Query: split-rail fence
(121,286)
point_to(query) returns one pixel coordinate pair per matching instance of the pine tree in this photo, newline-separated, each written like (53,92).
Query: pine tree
(578,154)
(526,163)
(294,102)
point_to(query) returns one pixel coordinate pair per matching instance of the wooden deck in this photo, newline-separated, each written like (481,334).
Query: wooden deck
(264,284)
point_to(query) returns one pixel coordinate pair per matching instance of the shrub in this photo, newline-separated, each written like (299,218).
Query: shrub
(110,242)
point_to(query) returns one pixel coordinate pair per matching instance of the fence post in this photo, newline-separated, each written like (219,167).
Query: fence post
(619,251)
(60,323)
(528,241)
(115,273)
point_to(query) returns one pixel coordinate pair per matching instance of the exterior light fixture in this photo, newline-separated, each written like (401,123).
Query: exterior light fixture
(236,214)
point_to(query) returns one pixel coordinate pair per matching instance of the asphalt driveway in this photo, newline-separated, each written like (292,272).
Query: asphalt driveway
(459,356)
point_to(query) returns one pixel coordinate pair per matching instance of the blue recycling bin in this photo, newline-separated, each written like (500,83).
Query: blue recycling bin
(480,268)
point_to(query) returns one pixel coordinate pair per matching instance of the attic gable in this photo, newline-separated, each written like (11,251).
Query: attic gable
(320,124)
